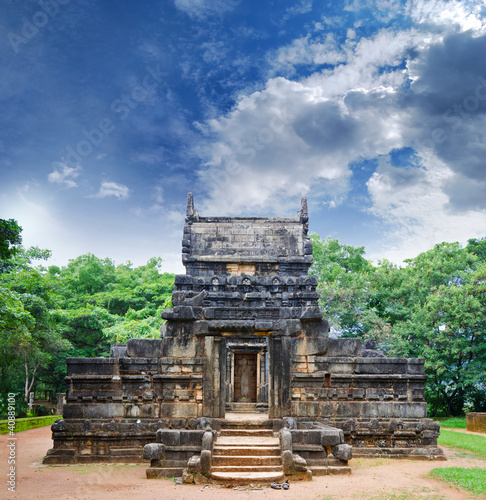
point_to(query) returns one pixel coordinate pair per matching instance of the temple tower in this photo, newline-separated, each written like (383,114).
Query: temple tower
(246,304)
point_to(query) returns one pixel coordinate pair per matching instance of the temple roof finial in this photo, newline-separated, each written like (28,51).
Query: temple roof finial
(190,205)
(304,214)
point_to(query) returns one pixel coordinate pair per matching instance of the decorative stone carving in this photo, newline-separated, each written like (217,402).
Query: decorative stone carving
(246,291)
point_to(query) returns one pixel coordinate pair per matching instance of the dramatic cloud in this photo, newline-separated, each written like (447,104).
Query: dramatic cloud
(421,88)
(375,109)
(449,113)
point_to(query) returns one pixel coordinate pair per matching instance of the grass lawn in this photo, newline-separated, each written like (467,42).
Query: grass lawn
(469,442)
(452,422)
(473,480)
(470,479)
(23,424)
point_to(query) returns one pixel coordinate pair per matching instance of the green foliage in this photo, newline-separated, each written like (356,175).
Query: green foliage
(444,321)
(469,442)
(473,480)
(78,310)
(478,248)
(345,282)
(9,238)
(434,308)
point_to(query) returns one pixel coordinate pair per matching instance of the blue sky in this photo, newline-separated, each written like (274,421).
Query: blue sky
(110,112)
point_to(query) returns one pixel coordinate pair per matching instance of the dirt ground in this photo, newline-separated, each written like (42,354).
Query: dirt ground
(371,479)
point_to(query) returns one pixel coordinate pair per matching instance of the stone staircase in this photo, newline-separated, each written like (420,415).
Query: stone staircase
(246,452)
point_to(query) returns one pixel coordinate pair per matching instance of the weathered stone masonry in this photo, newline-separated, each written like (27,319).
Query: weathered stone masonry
(246,300)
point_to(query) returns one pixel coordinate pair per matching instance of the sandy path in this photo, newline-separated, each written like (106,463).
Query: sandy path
(371,479)
(467,432)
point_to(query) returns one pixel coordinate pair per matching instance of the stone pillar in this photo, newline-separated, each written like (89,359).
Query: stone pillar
(214,378)
(229,375)
(279,399)
(220,381)
(208,381)
(285,374)
(274,382)
(60,402)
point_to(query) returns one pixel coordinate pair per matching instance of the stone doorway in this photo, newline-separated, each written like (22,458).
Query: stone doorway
(245,377)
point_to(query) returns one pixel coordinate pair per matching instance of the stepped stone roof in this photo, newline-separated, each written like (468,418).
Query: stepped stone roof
(246,239)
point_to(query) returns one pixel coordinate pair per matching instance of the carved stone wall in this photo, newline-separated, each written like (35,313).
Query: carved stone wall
(246,291)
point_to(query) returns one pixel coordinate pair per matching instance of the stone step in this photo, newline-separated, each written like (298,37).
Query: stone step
(246,468)
(273,451)
(242,407)
(247,423)
(237,478)
(319,470)
(247,432)
(247,441)
(256,461)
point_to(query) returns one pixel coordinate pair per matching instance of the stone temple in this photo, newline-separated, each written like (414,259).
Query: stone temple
(245,384)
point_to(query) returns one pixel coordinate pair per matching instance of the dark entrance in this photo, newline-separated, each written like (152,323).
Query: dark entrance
(245,389)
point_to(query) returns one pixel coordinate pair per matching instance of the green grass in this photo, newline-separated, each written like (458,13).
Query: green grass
(470,442)
(23,424)
(473,480)
(452,422)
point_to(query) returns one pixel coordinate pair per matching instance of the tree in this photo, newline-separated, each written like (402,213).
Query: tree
(34,290)
(345,282)
(16,325)
(102,304)
(438,313)
(9,238)
(477,247)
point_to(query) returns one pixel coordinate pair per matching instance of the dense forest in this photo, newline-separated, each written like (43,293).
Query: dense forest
(434,307)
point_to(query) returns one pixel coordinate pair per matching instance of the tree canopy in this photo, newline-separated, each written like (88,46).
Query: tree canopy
(433,307)
(77,310)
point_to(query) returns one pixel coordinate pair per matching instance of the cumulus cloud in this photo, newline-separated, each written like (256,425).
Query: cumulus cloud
(113,189)
(64,175)
(413,203)
(293,138)
(422,87)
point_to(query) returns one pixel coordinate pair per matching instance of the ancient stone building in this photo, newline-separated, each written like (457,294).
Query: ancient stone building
(245,334)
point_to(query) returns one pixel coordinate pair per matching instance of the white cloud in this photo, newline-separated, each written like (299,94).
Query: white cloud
(308,51)
(63,174)
(113,189)
(289,140)
(467,15)
(414,207)
(294,138)
(201,9)
(303,7)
